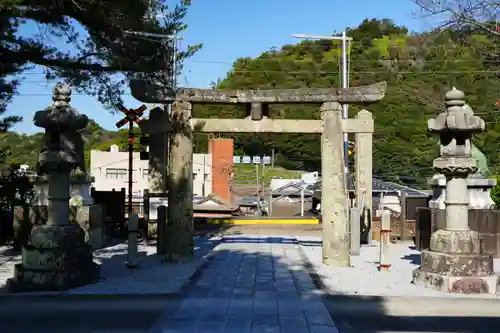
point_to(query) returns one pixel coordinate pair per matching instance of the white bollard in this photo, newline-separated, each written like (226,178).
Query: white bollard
(133,229)
(355,232)
(385,235)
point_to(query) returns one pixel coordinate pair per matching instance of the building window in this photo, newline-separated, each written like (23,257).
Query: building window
(145,173)
(113,173)
(194,176)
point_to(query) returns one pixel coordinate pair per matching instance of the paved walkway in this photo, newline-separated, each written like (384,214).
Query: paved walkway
(252,284)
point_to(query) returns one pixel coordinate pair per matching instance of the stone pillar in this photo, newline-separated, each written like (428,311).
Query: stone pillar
(178,238)
(455,261)
(158,127)
(57,257)
(364,173)
(333,200)
(82,208)
(479,192)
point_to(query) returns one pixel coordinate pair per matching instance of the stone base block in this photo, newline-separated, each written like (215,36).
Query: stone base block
(456,284)
(26,280)
(89,218)
(457,264)
(57,258)
(456,241)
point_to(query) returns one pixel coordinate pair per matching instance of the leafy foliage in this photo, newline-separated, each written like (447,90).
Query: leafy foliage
(15,189)
(495,193)
(102,52)
(23,149)
(419,69)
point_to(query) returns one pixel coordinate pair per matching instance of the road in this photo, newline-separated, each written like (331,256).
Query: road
(65,314)
(351,314)
(70,314)
(405,315)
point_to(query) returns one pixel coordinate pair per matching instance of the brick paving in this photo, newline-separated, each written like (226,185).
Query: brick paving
(252,284)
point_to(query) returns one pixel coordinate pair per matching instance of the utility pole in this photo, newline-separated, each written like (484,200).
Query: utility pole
(262,177)
(302,188)
(257,177)
(345,84)
(159,146)
(173,79)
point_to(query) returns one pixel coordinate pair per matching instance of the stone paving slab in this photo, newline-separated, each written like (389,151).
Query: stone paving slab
(151,277)
(252,284)
(364,279)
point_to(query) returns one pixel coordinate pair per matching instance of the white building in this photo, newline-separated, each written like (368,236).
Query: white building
(110,169)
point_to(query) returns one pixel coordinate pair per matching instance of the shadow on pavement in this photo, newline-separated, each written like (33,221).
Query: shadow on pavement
(231,275)
(364,314)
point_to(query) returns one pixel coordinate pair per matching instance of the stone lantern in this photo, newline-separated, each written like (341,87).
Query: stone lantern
(479,186)
(455,261)
(57,256)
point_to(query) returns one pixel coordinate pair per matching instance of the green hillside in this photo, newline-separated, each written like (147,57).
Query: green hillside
(419,69)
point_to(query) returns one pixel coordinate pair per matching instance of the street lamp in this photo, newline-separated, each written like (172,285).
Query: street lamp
(345,82)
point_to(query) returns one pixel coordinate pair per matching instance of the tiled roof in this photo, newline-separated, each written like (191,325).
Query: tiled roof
(380,186)
(291,189)
(248,200)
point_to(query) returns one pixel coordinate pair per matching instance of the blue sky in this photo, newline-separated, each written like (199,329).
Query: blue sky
(229,29)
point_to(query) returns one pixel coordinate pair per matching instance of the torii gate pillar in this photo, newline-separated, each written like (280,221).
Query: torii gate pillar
(334,210)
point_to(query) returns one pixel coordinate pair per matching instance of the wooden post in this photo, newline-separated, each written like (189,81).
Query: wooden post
(403,215)
(385,235)
(133,229)
(333,201)
(178,239)
(160,229)
(355,232)
(145,216)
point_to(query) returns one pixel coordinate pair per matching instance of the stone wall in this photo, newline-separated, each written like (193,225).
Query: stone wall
(484,221)
(88,217)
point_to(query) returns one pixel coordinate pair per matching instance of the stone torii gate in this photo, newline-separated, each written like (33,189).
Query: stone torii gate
(331,127)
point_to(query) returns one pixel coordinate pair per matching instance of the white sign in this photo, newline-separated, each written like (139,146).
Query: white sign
(267,160)
(246,159)
(256,160)
(236,159)
(154,203)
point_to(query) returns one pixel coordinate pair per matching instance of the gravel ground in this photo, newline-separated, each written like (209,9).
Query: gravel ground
(363,278)
(151,277)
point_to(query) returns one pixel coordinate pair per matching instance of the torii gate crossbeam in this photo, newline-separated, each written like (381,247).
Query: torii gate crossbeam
(331,126)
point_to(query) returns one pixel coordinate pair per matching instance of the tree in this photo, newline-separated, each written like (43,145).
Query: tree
(495,193)
(457,14)
(419,69)
(100,44)
(466,18)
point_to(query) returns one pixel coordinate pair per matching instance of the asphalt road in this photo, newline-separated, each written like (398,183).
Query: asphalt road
(404,315)
(63,315)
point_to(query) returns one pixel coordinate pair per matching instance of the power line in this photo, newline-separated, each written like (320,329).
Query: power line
(323,62)
(475,73)
(363,61)
(389,71)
